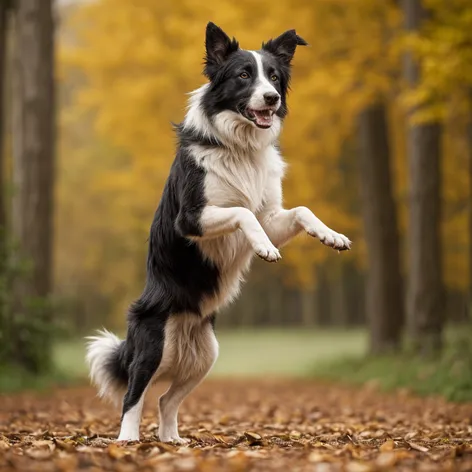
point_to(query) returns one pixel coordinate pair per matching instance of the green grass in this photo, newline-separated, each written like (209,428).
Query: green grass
(284,352)
(449,376)
(15,379)
(336,355)
(251,351)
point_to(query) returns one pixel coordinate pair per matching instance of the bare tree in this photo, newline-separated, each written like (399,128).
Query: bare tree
(33,147)
(384,293)
(426,289)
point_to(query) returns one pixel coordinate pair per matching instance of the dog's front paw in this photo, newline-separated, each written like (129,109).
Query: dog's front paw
(268,252)
(332,239)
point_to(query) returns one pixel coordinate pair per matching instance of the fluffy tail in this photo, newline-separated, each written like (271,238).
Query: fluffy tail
(106,357)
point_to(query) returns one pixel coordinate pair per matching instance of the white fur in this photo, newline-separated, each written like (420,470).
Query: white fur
(263,85)
(190,350)
(129,430)
(230,128)
(190,347)
(99,349)
(243,187)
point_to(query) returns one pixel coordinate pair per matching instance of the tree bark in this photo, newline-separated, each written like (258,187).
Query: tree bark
(384,294)
(3,53)
(33,148)
(308,307)
(4,318)
(469,304)
(426,289)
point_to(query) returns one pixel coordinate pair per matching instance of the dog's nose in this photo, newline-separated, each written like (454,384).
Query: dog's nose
(271,98)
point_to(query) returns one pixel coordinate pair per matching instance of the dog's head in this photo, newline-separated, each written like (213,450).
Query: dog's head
(251,84)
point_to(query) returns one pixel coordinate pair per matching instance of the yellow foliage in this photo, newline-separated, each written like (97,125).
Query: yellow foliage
(130,66)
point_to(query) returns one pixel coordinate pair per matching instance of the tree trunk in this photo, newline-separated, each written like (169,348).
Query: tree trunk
(426,289)
(3,53)
(339,296)
(33,153)
(308,307)
(469,304)
(4,319)
(384,297)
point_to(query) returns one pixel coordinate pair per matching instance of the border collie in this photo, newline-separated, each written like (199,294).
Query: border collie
(222,204)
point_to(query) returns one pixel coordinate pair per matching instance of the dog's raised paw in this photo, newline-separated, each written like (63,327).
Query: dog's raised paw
(337,241)
(268,253)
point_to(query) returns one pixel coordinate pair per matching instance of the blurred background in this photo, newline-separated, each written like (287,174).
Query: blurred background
(379,146)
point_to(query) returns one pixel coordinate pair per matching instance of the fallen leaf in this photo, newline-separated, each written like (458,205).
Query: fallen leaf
(417,447)
(386,460)
(253,438)
(319,457)
(358,467)
(116,452)
(388,445)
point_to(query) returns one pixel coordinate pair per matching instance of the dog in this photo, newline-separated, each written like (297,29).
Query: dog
(221,205)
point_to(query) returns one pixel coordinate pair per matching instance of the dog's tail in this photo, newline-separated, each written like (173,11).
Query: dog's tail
(108,366)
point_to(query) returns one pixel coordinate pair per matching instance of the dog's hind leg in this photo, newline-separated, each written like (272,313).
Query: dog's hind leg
(196,351)
(148,344)
(142,370)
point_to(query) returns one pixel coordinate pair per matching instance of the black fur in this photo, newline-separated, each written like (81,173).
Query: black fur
(218,47)
(177,276)
(283,47)
(228,91)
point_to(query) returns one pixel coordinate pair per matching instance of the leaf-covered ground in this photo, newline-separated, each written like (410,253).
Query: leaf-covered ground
(237,425)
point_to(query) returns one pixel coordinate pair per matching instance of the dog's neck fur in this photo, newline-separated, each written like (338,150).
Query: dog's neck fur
(228,128)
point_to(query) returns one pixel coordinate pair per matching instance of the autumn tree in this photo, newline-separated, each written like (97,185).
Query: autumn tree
(444,47)
(33,175)
(126,68)
(4,7)
(426,290)
(4,13)
(384,283)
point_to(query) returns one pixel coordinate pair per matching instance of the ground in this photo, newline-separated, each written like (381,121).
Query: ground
(242,425)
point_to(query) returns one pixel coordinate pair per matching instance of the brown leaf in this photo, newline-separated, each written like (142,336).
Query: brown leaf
(388,445)
(253,438)
(417,447)
(65,445)
(320,457)
(116,452)
(355,466)
(4,444)
(386,460)
(39,454)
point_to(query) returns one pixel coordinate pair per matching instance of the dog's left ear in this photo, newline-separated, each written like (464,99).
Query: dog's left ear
(218,47)
(284,46)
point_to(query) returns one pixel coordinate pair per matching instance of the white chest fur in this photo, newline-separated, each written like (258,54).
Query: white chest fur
(234,180)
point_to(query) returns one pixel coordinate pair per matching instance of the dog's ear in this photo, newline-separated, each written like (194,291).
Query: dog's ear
(218,47)
(284,45)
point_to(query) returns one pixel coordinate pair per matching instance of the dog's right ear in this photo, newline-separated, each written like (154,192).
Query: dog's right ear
(218,47)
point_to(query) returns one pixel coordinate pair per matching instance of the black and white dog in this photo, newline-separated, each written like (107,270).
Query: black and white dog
(222,204)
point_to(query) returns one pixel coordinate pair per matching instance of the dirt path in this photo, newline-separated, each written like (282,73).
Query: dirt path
(241,426)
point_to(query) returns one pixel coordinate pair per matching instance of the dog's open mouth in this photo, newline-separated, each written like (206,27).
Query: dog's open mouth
(261,118)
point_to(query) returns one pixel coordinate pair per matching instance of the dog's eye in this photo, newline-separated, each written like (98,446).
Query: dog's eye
(274,78)
(244,75)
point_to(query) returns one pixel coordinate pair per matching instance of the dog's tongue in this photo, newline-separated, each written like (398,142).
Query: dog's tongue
(263,118)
